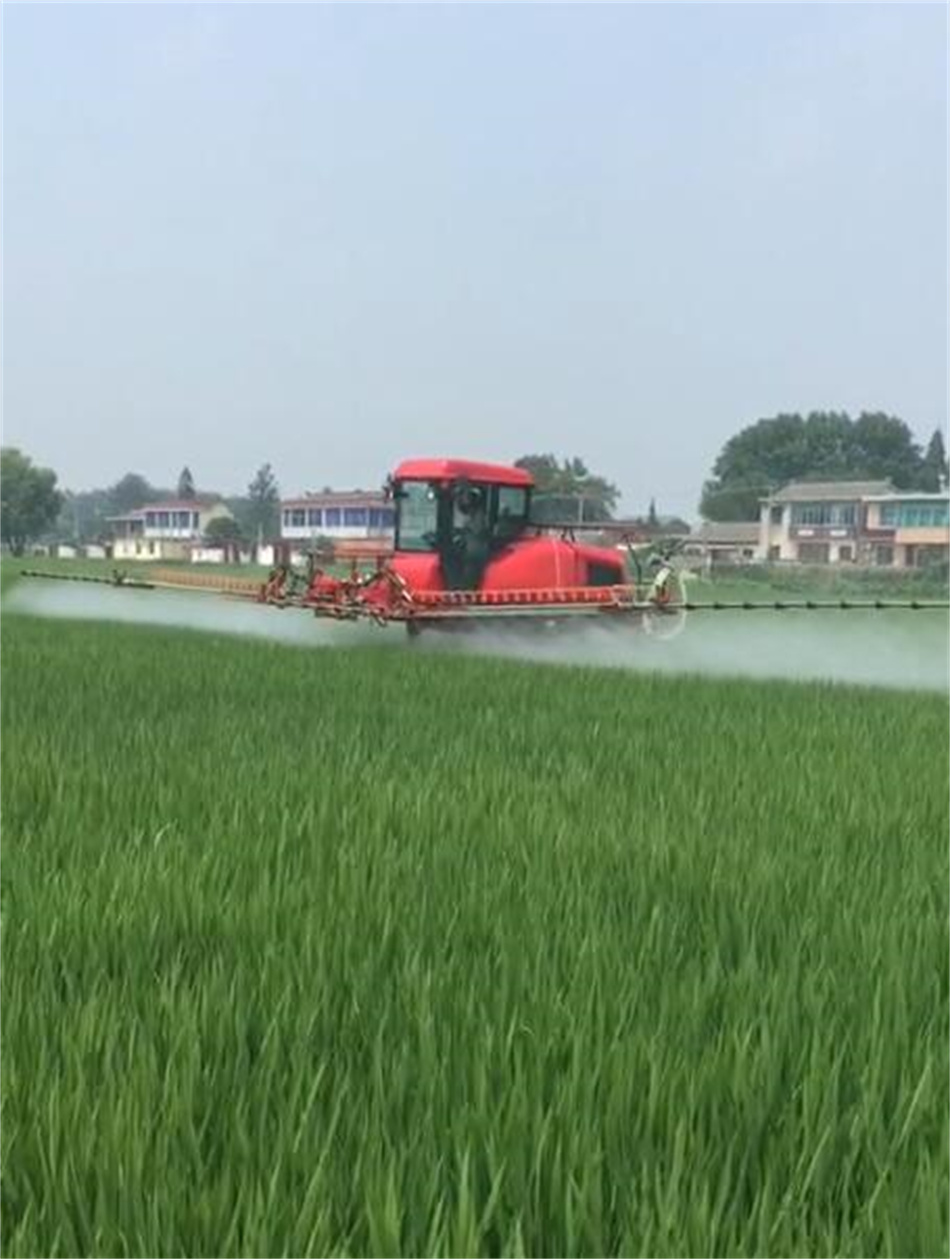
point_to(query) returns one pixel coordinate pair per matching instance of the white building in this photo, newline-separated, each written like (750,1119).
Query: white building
(854,522)
(815,522)
(906,529)
(163,531)
(337,515)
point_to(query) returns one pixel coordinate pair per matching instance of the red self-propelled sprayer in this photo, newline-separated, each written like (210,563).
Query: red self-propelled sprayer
(467,551)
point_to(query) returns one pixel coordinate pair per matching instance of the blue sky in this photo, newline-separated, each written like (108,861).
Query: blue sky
(332,237)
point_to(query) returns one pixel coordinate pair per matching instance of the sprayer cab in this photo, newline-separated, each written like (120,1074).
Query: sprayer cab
(464,525)
(460,513)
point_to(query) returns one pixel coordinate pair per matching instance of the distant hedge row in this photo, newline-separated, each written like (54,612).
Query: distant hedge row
(934,579)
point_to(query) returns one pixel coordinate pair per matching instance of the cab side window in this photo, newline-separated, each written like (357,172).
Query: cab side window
(511,513)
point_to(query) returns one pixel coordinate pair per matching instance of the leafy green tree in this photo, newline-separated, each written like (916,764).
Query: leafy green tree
(85,513)
(223,530)
(936,470)
(568,491)
(825,446)
(29,499)
(186,485)
(885,448)
(263,499)
(130,492)
(734,499)
(322,548)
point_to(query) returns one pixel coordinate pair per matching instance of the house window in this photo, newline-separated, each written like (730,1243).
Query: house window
(915,515)
(314,517)
(925,515)
(823,513)
(846,554)
(775,552)
(354,517)
(149,520)
(298,517)
(163,519)
(883,556)
(808,514)
(775,515)
(331,518)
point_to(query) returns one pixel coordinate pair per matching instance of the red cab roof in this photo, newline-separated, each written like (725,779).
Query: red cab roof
(461,469)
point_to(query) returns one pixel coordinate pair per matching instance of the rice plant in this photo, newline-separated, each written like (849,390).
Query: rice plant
(380,952)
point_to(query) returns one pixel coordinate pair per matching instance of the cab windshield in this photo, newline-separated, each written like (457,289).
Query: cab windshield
(432,516)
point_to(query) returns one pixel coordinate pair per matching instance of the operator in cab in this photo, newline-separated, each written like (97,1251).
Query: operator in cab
(472,533)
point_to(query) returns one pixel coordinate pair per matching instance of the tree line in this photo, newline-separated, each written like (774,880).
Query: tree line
(32,506)
(822,446)
(756,461)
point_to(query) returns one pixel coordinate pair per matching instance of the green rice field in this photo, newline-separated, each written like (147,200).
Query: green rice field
(374,951)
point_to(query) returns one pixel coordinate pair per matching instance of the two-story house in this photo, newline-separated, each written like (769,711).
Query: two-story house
(163,531)
(865,522)
(815,522)
(906,529)
(358,522)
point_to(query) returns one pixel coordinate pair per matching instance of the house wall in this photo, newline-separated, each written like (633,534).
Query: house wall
(305,533)
(305,521)
(140,548)
(207,555)
(908,544)
(791,538)
(126,548)
(178,532)
(915,547)
(776,534)
(934,536)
